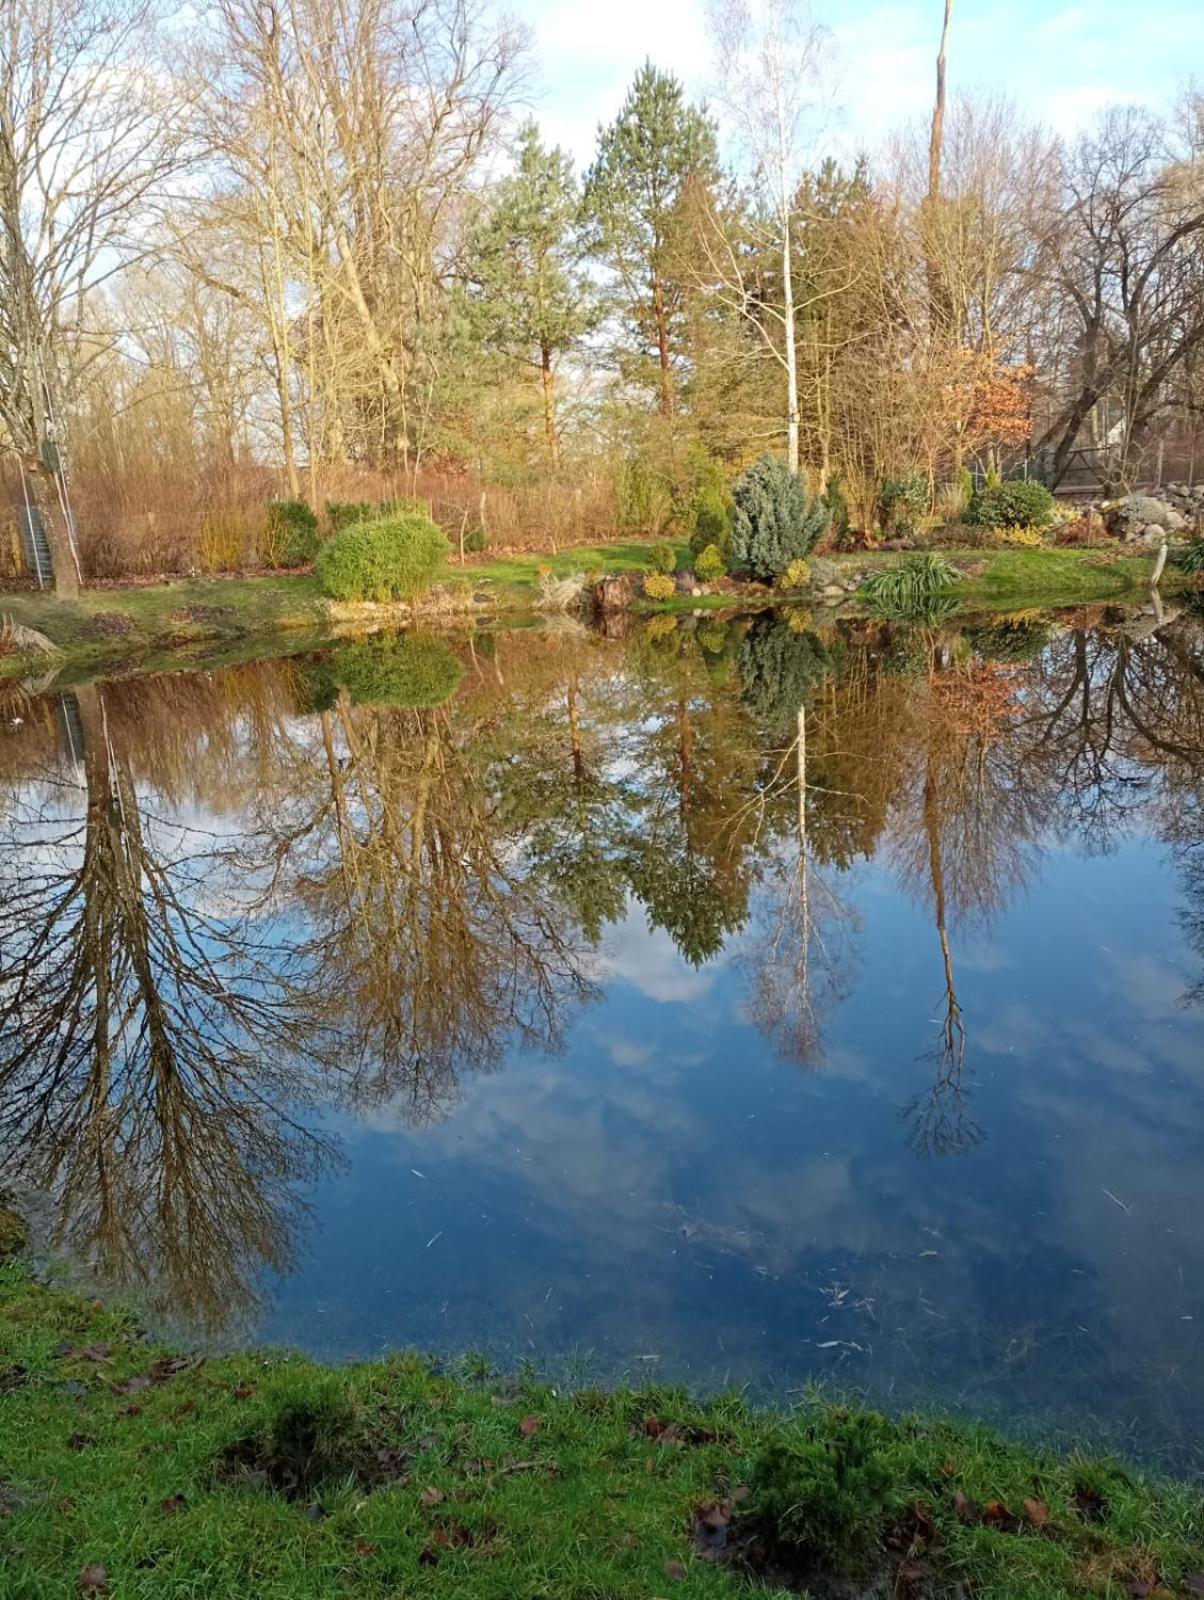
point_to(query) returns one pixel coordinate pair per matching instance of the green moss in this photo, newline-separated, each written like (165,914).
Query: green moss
(264,1474)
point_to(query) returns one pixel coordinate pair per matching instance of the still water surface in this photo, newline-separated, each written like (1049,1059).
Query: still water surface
(540,1018)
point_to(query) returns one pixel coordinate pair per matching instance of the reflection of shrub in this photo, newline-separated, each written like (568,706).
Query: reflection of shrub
(662,558)
(1014,639)
(709,564)
(902,502)
(405,669)
(819,1494)
(1023,504)
(775,520)
(316,688)
(778,668)
(659,586)
(912,587)
(392,559)
(293,531)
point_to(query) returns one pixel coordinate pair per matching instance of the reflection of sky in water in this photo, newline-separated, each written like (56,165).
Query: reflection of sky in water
(668,1197)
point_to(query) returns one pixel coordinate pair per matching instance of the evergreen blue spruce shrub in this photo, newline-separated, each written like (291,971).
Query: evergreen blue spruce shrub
(775,520)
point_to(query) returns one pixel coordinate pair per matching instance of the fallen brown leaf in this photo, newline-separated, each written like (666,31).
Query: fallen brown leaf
(173,1503)
(675,1570)
(94,1579)
(363,1548)
(1037,1512)
(431,1497)
(528,1426)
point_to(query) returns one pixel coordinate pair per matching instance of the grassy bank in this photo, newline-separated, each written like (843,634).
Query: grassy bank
(128,1471)
(112,625)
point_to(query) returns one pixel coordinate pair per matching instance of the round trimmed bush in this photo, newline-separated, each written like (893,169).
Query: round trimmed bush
(775,520)
(659,586)
(662,558)
(709,564)
(392,558)
(404,669)
(1022,504)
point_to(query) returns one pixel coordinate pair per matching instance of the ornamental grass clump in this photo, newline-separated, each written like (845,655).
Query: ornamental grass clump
(914,588)
(390,558)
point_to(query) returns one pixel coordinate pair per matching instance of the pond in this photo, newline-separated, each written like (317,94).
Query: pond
(734,1002)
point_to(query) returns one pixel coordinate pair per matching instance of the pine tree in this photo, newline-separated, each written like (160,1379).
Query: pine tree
(647,161)
(530,295)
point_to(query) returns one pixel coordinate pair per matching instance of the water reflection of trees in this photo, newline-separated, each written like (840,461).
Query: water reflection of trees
(152,1055)
(250,895)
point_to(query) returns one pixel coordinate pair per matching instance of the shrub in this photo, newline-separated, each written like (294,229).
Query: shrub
(1022,504)
(902,502)
(644,501)
(916,587)
(708,518)
(475,539)
(820,1495)
(709,564)
(392,559)
(838,509)
(662,558)
(775,521)
(1082,531)
(293,528)
(224,541)
(796,576)
(405,669)
(1028,538)
(346,513)
(659,586)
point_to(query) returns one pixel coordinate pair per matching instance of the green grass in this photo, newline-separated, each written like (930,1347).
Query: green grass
(265,1475)
(518,575)
(113,624)
(164,622)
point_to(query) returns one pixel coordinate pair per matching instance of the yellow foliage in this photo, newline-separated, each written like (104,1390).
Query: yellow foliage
(659,586)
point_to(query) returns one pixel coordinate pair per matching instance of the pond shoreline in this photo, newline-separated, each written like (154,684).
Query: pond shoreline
(144,1473)
(112,626)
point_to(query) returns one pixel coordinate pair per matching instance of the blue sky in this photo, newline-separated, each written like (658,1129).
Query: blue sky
(1061,61)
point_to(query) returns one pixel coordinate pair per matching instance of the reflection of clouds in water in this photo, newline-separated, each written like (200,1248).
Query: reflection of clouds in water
(1153,988)
(648,960)
(629,1053)
(984,955)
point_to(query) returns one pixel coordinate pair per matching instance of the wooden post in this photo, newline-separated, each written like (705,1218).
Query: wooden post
(1159,565)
